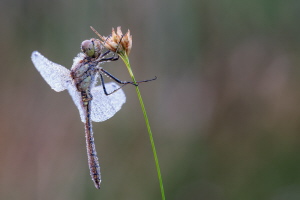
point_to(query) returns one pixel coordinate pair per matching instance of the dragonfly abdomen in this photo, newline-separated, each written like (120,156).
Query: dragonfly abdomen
(93,162)
(90,144)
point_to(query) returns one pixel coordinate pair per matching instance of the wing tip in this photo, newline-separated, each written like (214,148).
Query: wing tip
(35,54)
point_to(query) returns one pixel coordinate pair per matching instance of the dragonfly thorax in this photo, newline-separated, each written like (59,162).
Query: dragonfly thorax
(84,74)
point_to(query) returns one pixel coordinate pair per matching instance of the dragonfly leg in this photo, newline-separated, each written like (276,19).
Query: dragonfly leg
(126,82)
(113,58)
(104,88)
(116,79)
(120,82)
(105,53)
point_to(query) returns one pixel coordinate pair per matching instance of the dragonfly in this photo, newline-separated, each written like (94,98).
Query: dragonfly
(95,103)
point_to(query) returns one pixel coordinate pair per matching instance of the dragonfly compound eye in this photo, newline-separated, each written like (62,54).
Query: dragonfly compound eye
(97,47)
(87,47)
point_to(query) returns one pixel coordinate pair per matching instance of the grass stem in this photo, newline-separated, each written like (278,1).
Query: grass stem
(125,58)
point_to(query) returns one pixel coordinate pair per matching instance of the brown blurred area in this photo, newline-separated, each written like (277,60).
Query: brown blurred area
(224,110)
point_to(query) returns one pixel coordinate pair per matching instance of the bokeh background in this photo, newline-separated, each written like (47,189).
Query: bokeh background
(224,110)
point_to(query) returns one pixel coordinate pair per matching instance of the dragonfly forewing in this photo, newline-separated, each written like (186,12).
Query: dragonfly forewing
(57,76)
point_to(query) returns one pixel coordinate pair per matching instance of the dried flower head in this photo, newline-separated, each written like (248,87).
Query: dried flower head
(117,42)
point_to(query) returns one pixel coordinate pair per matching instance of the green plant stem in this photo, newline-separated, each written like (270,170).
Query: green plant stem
(126,61)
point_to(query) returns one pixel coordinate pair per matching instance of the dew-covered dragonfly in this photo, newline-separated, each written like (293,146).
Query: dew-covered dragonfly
(95,103)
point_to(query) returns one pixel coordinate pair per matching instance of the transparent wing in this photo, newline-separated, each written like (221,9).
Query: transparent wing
(57,76)
(103,106)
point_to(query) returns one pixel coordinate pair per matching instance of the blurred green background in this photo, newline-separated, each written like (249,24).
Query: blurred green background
(224,110)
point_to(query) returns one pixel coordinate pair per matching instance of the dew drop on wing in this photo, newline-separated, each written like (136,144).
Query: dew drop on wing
(105,106)
(57,76)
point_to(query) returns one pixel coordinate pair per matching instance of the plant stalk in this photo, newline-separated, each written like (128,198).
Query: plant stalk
(125,58)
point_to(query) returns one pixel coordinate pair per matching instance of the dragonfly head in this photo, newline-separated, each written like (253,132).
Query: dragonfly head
(91,48)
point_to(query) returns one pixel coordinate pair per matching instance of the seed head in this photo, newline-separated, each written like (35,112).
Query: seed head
(117,42)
